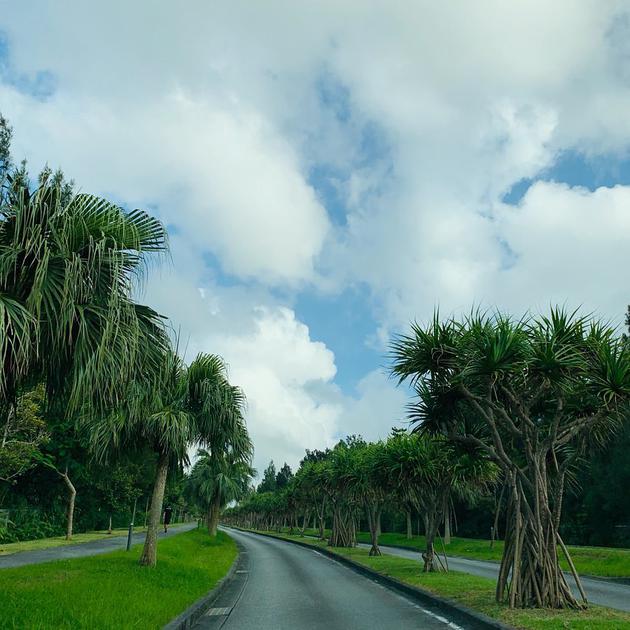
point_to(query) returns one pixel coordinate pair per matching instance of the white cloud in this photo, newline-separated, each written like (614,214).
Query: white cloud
(293,403)
(570,246)
(215,114)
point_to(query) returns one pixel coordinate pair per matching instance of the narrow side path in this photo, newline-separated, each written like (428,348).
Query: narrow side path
(81,550)
(601,592)
(286,587)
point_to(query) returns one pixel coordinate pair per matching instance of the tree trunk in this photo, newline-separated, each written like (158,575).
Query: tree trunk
(149,552)
(494,530)
(374,521)
(530,574)
(430,527)
(447,526)
(321,517)
(109,529)
(213,516)
(72,494)
(343,533)
(409,530)
(304,522)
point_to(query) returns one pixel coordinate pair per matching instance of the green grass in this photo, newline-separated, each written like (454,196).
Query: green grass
(478,593)
(60,541)
(598,561)
(111,590)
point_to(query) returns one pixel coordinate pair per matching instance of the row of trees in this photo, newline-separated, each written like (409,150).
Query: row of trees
(76,346)
(521,404)
(357,480)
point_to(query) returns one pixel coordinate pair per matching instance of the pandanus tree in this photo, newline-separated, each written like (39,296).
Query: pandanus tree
(374,487)
(217,479)
(528,395)
(177,408)
(427,471)
(339,481)
(309,482)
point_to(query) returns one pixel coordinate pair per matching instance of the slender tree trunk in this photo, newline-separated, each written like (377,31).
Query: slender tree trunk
(213,517)
(321,515)
(304,522)
(430,526)
(447,526)
(109,529)
(149,552)
(494,531)
(72,494)
(409,530)
(374,518)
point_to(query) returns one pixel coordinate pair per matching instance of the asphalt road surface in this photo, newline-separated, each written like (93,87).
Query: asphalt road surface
(81,550)
(281,586)
(601,592)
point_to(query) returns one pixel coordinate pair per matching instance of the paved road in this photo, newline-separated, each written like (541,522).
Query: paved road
(600,592)
(282,586)
(81,550)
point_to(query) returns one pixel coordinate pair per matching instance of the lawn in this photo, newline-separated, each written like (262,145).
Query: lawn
(597,561)
(111,590)
(478,593)
(60,541)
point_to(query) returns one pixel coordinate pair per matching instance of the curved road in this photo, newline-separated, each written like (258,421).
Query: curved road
(280,586)
(601,592)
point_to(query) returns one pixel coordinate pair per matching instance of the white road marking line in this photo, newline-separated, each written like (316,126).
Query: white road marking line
(216,612)
(444,620)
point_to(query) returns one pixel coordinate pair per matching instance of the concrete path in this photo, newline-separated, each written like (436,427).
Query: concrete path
(285,587)
(602,592)
(81,550)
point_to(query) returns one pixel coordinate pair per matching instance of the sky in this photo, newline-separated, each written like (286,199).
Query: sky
(330,171)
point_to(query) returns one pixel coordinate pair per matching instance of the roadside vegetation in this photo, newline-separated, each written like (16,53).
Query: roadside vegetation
(505,413)
(112,590)
(98,411)
(596,561)
(605,562)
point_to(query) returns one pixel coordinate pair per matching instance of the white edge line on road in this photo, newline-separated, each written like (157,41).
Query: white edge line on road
(444,620)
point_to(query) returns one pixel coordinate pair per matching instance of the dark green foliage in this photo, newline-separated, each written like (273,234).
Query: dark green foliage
(268,483)
(284,476)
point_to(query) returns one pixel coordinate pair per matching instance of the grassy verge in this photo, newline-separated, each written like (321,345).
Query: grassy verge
(111,590)
(597,561)
(478,593)
(60,541)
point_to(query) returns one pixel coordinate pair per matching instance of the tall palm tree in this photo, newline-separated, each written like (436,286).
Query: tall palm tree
(217,479)
(172,411)
(68,266)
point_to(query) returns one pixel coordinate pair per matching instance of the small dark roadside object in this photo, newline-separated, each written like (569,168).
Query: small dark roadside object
(168,511)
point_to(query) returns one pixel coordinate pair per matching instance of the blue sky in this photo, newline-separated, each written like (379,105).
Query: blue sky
(325,184)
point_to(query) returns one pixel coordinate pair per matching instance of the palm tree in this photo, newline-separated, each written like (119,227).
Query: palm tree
(68,266)
(217,479)
(176,409)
